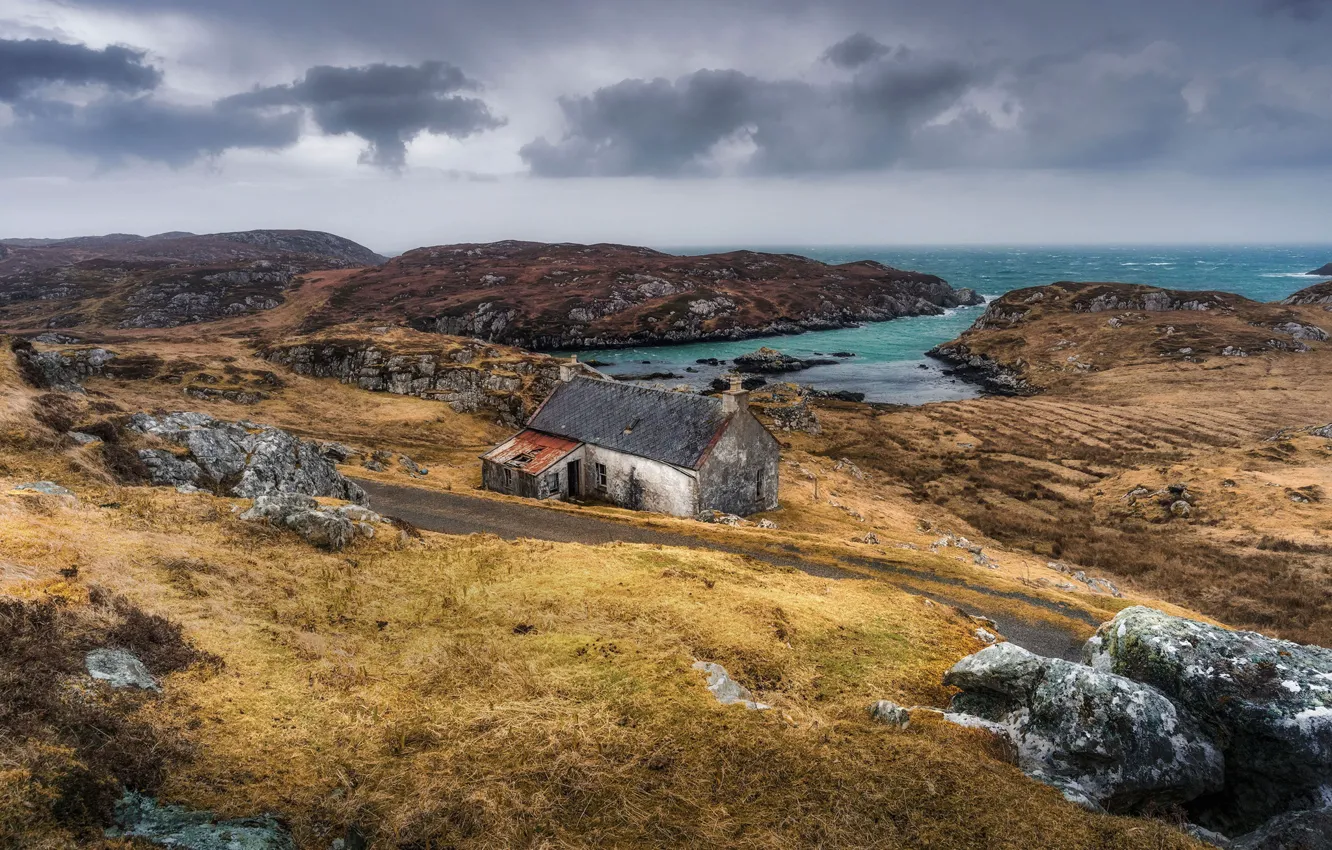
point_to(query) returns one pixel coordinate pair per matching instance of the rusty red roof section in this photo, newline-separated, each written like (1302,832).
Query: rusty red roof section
(542,450)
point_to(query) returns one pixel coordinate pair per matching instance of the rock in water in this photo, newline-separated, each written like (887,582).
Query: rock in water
(138,816)
(119,669)
(1101,739)
(1268,701)
(241,458)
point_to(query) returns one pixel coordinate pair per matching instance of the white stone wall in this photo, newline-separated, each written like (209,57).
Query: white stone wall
(639,483)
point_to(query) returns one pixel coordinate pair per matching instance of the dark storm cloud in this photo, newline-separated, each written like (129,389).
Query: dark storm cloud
(386,105)
(113,130)
(29,64)
(855,50)
(666,128)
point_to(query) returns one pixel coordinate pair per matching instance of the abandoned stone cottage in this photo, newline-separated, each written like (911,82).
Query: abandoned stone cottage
(646,449)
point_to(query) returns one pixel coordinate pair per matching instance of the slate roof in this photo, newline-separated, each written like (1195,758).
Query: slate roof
(674,428)
(531,451)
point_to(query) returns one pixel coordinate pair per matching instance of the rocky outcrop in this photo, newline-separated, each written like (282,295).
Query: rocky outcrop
(1322,271)
(468,375)
(63,371)
(1268,702)
(543,297)
(328,528)
(238,458)
(991,375)
(191,295)
(1234,727)
(1307,830)
(771,361)
(1319,293)
(1104,740)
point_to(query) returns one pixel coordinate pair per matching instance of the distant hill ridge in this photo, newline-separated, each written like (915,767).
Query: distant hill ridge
(184,247)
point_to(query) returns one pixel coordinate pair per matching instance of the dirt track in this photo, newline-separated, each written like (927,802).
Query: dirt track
(452,513)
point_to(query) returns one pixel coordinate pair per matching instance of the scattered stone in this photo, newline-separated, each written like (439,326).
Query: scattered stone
(767,523)
(44,488)
(119,669)
(727,690)
(1103,740)
(1296,330)
(845,464)
(140,816)
(337,452)
(1268,701)
(985,636)
(870,539)
(1181,509)
(83,438)
(414,469)
(887,711)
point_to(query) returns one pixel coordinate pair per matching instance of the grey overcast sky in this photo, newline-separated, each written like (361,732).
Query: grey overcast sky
(671,122)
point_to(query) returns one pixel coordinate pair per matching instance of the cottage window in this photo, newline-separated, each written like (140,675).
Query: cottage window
(601,476)
(508,478)
(758,486)
(523,459)
(553,482)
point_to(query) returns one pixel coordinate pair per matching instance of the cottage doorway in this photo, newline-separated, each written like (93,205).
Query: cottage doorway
(575,469)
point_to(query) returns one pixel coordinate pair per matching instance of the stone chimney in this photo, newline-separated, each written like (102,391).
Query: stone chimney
(568,371)
(736,398)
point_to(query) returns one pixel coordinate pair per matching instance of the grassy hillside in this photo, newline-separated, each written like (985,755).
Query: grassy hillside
(470,692)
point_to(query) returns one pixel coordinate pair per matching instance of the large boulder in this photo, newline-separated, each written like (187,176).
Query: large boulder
(142,817)
(243,458)
(1103,740)
(1267,702)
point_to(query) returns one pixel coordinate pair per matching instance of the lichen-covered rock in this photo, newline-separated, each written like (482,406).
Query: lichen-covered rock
(44,488)
(246,459)
(60,370)
(139,816)
(331,528)
(1307,830)
(887,711)
(727,690)
(167,470)
(1102,739)
(1269,703)
(119,669)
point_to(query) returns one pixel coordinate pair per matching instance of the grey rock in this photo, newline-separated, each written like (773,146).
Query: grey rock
(357,513)
(887,711)
(727,690)
(248,459)
(167,470)
(1105,741)
(119,668)
(276,506)
(321,528)
(1206,835)
(1311,333)
(139,816)
(45,488)
(985,635)
(1306,830)
(1181,509)
(62,371)
(1269,702)
(82,438)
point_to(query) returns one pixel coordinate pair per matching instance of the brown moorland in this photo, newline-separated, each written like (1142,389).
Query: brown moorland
(465,692)
(551,296)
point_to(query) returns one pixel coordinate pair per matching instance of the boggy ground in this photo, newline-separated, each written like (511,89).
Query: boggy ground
(469,692)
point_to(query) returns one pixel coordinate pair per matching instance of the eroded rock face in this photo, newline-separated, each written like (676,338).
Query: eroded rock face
(1104,740)
(1268,702)
(240,458)
(1307,830)
(63,371)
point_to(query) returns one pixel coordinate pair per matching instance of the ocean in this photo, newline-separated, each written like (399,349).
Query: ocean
(890,365)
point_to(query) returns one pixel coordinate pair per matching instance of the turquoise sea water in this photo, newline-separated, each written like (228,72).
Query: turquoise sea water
(889,365)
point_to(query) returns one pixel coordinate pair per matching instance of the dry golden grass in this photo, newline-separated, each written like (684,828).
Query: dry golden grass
(390,688)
